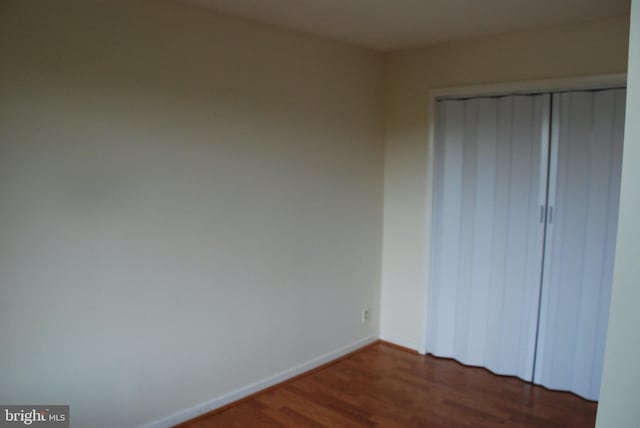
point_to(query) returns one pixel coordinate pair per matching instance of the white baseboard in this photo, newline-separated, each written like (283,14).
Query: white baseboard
(223,400)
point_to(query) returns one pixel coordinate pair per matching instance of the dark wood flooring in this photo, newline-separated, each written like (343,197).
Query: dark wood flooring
(384,386)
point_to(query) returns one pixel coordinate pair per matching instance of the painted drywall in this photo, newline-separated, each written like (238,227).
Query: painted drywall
(597,47)
(191,203)
(620,389)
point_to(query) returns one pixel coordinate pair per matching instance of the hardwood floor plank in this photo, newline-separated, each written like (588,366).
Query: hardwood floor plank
(291,418)
(386,386)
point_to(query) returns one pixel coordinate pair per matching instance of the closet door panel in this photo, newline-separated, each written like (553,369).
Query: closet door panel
(484,200)
(609,247)
(447,235)
(578,269)
(487,246)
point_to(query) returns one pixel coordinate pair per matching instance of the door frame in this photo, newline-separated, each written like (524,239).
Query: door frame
(601,81)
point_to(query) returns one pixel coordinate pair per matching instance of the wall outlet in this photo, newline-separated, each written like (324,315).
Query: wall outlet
(366,315)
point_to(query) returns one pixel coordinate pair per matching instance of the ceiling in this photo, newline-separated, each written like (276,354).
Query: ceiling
(396,24)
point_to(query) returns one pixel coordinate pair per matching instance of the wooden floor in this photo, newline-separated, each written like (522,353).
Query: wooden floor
(388,387)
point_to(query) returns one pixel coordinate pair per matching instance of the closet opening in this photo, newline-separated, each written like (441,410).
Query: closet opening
(525,200)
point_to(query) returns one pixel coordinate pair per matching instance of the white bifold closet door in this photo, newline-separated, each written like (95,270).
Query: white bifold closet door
(524,229)
(584,188)
(491,158)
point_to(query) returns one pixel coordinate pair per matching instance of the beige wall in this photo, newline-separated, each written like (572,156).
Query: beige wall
(620,390)
(597,47)
(190,203)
